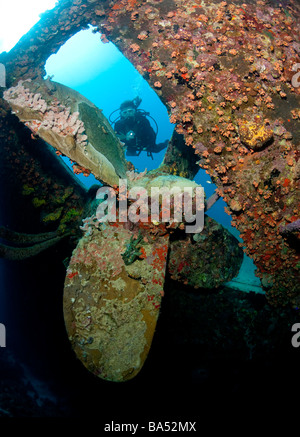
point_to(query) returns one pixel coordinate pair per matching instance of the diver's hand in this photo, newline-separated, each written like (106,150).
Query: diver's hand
(130,135)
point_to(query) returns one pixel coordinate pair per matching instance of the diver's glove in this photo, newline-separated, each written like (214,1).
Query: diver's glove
(137,101)
(159,147)
(130,135)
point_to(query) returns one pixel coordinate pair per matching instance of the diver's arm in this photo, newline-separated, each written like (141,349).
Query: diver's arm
(161,146)
(120,130)
(121,137)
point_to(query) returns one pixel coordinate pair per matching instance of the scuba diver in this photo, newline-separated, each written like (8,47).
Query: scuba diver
(134,129)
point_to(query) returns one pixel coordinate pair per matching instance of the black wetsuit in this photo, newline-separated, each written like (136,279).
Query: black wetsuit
(144,135)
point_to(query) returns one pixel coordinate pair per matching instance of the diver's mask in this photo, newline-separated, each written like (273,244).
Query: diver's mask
(128,113)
